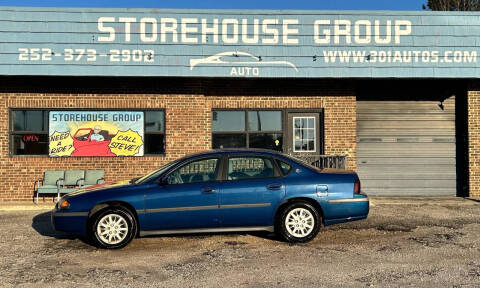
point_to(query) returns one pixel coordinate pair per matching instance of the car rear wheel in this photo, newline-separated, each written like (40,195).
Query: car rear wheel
(113,228)
(298,222)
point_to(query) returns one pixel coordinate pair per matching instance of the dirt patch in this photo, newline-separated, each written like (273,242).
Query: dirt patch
(395,228)
(397,246)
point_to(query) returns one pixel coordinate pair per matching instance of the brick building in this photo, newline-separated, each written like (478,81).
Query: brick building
(406,121)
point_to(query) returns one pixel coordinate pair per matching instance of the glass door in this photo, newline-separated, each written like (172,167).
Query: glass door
(304,134)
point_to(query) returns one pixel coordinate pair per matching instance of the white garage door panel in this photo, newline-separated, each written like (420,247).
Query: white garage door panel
(405,107)
(401,117)
(421,183)
(386,177)
(407,170)
(405,132)
(407,161)
(417,148)
(417,124)
(406,147)
(437,191)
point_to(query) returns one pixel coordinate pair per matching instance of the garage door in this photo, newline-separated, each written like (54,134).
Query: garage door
(406,147)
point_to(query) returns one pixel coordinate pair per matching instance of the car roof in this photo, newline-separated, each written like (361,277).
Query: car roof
(235,151)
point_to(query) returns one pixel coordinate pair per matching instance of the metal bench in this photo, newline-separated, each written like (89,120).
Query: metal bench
(62,182)
(49,184)
(94,177)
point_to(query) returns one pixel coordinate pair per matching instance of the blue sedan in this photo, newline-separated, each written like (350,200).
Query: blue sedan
(215,191)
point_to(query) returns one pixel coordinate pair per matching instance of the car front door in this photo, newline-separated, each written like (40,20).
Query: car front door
(251,190)
(187,198)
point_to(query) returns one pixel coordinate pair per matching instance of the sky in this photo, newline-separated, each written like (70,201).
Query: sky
(229,4)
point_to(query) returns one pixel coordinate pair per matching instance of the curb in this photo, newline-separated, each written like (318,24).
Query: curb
(26,207)
(423,200)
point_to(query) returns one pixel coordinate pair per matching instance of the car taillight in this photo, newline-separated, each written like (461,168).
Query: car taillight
(356,186)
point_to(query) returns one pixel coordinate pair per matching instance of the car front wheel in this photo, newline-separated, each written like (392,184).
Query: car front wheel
(298,222)
(113,228)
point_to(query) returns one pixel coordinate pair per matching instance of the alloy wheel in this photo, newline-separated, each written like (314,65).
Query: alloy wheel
(112,229)
(299,222)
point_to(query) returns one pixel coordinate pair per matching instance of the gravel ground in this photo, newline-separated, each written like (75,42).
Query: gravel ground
(401,244)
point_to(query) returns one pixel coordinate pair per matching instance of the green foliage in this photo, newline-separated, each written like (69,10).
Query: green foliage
(452,5)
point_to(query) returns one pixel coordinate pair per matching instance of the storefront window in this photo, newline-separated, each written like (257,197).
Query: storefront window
(220,140)
(264,120)
(272,141)
(247,129)
(154,132)
(154,121)
(29,135)
(228,121)
(29,132)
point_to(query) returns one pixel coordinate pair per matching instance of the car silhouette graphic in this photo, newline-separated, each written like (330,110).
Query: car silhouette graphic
(85,146)
(239,58)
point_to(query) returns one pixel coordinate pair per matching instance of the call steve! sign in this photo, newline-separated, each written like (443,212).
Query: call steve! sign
(239,43)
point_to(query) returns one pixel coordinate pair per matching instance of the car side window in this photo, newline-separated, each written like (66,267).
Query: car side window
(285,167)
(199,171)
(240,168)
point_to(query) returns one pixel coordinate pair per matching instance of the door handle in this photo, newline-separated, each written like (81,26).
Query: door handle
(274,186)
(208,190)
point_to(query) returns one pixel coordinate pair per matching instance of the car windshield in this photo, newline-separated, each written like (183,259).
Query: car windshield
(155,174)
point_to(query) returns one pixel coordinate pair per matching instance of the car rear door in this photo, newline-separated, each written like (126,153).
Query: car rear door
(251,189)
(187,200)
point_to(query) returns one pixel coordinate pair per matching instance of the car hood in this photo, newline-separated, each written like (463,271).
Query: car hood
(103,186)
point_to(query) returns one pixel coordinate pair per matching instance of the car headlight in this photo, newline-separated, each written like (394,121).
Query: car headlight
(63,204)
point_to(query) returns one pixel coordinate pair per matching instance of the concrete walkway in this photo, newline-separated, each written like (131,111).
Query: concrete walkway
(374,200)
(25,206)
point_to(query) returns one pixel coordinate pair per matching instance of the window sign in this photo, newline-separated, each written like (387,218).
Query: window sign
(96,133)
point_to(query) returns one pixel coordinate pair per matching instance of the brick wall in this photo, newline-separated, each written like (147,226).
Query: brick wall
(188,129)
(474,142)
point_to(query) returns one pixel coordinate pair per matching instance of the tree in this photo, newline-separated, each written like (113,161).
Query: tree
(452,5)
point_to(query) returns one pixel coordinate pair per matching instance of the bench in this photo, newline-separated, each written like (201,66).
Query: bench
(57,182)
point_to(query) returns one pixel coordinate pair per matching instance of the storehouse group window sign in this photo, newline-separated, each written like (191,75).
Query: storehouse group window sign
(96,133)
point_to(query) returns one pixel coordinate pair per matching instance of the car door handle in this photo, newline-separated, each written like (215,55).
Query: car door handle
(208,190)
(274,186)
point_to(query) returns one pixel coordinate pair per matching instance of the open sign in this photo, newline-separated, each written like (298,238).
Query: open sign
(30,138)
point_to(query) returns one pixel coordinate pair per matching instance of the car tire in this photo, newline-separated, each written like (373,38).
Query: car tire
(298,222)
(113,228)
